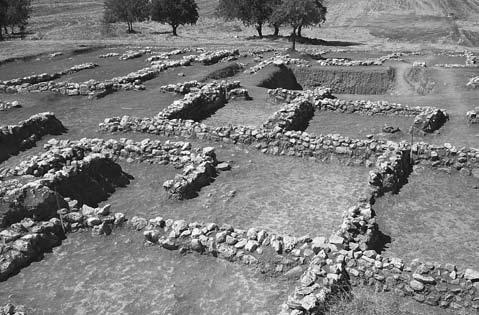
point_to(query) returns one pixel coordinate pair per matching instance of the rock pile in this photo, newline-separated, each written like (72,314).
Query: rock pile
(238,93)
(24,135)
(429,121)
(4,106)
(473,116)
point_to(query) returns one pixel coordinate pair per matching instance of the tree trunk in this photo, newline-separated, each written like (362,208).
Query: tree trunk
(259,29)
(5,29)
(12,29)
(174,27)
(1,34)
(293,39)
(130,27)
(300,28)
(276,30)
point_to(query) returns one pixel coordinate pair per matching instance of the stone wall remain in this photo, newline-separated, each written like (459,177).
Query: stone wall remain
(198,105)
(24,135)
(292,116)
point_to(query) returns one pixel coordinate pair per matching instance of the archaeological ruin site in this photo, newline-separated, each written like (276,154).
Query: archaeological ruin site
(218,169)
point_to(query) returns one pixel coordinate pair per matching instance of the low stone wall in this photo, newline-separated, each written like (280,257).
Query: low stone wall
(109,55)
(195,86)
(24,135)
(198,169)
(287,96)
(272,254)
(133,54)
(347,80)
(292,116)
(21,84)
(167,55)
(38,197)
(301,144)
(278,60)
(5,106)
(199,105)
(427,119)
(26,241)
(348,258)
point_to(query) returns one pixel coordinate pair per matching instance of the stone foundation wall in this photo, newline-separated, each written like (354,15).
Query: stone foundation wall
(198,105)
(20,84)
(24,135)
(292,116)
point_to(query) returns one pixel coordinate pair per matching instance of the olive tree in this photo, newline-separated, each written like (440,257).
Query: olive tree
(128,11)
(174,12)
(299,14)
(251,12)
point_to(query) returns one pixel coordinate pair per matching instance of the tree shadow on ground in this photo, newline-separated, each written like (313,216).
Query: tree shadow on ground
(306,40)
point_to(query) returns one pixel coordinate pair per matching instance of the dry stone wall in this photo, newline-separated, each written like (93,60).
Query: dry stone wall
(24,135)
(292,116)
(25,84)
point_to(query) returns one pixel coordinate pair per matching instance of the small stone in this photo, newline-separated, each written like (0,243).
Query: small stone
(416,285)
(223,166)
(196,245)
(93,221)
(471,274)
(424,279)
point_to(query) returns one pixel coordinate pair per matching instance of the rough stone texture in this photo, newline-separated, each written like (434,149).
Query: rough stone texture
(473,116)
(11,309)
(279,142)
(198,105)
(429,121)
(292,116)
(4,105)
(15,138)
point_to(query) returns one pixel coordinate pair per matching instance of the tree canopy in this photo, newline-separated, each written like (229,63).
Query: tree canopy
(128,11)
(250,12)
(14,13)
(299,14)
(174,12)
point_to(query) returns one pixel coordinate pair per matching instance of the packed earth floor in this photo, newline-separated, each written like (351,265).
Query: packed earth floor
(426,217)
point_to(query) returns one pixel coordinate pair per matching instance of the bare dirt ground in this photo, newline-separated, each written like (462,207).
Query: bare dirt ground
(282,194)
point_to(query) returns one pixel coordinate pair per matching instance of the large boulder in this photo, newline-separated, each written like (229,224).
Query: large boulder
(36,202)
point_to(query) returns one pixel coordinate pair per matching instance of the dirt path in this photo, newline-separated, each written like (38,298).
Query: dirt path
(402,86)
